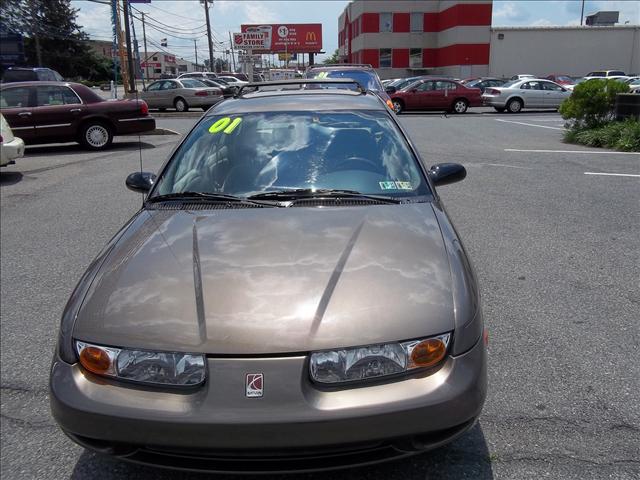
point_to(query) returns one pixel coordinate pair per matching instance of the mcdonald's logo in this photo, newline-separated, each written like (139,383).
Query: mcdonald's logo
(311,37)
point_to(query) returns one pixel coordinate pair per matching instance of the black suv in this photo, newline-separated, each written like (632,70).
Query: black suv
(31,74)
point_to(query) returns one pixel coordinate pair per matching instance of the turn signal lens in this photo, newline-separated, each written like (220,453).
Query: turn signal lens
(427,353)
(98,360)
(390,104)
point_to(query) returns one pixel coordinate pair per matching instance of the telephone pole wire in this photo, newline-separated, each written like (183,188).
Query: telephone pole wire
(206,13)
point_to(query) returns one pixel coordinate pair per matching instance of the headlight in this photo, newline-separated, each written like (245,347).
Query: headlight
(162,368)
(359,363)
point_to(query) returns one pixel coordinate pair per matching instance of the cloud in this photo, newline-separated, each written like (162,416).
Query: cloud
(257,12)
(510,12)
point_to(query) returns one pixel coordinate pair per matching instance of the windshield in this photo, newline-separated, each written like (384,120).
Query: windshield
(252,153)
(368,80)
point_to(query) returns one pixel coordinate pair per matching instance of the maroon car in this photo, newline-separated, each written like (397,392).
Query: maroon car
(560,79)
(56,112)
(436,94)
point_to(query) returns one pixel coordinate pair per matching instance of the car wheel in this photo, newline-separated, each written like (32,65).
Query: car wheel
(397,106)
(460,106)
(181,105)
(499,109)
(96,136)
(514,105)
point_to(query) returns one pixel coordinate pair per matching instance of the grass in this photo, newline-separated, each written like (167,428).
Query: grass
(623,136)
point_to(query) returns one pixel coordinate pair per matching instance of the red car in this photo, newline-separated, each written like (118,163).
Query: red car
(57,112)
(436,94)
(561,79)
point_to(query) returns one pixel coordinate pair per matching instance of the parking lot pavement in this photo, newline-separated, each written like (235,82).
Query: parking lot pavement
(557,256)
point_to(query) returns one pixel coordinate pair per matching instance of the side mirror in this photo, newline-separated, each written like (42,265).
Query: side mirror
(140,181)
(446,173)
(390,90)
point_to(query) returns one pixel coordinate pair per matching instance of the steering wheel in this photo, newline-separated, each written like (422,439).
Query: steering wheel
(357,163)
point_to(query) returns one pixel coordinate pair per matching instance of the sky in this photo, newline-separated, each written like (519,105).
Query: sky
(187,17)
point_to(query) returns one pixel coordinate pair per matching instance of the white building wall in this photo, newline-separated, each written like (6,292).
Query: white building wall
(567,50)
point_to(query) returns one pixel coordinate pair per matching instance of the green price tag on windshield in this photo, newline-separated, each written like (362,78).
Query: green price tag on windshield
(225,125)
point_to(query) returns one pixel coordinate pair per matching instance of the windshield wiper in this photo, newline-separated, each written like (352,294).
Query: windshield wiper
(203,196)
(302,193)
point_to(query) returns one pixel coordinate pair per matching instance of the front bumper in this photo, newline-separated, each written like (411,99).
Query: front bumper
(9,151)
(207,428)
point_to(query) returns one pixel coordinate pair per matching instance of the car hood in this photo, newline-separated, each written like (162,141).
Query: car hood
(271,280)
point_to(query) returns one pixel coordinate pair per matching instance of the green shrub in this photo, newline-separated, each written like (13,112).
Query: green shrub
(623,136)
(592,103)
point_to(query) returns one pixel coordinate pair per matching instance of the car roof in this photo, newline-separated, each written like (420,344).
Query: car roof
(341,66)
(28,69)
(298,100)
(40,83)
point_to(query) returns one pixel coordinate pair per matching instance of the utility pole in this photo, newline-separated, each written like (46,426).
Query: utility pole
(233,55)
(121,52)
(195,49)
(582,13)
(127,34)
(206,14)
(146,55)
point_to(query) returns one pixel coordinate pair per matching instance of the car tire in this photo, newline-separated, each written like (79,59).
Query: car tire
(499,109)
(398,105)
(181,105)
(95,135)
(515,105)
(460,106)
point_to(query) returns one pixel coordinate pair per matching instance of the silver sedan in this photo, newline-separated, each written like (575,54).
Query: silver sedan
(525,93)
(181,94)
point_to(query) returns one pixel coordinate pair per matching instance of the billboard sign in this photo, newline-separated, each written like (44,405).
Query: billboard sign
(282,37)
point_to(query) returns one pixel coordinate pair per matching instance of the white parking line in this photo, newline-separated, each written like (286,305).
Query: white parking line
(528,124)
(612,174)
(594,152)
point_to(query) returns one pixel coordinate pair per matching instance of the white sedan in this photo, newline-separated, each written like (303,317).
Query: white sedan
(526,93)
(10,147)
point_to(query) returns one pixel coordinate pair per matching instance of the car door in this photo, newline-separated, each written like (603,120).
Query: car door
(424,96)
(168,92)
(553,94)
(532,94)
(57,112)
(16,106)
(444,93)
(151,94)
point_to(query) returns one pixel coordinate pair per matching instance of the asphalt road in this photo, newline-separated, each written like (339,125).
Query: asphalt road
(557,254)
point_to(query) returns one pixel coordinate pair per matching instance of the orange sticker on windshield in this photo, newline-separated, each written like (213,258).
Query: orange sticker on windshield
(225,125)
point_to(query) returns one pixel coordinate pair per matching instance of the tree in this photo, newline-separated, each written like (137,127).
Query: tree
(335,58)
(52,36)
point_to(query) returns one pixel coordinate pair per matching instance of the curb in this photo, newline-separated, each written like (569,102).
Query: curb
(176,114)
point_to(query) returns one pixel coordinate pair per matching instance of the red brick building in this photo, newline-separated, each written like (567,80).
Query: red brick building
(401,38)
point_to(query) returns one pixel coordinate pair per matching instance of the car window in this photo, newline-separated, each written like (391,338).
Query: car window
(154,86)
(263,151)
(19,76)
(615,73)
(168,85)
(192,83)
(52,95)
(597,74)
(424,87)
(14,97)
(551,86)
(368,80)
(531,86)
(444,85)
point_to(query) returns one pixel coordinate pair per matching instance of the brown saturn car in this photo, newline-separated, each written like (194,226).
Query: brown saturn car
(57,112)
(291,296)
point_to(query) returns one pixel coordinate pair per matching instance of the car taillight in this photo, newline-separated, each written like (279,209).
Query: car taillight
(491,91)
(144,108)
(201,93)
